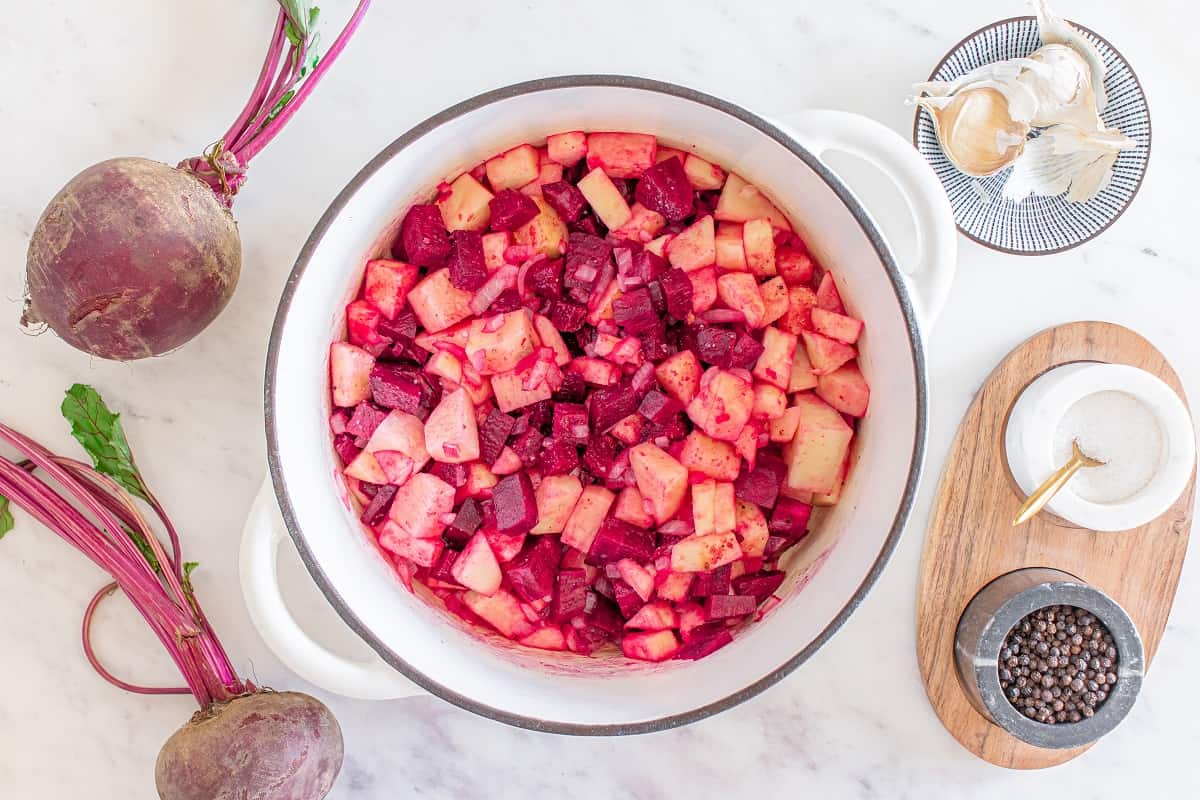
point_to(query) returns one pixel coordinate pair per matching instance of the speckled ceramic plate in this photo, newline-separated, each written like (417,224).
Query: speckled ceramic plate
(1038,225)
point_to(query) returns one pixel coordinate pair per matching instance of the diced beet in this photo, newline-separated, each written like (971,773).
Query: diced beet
(602,614)
(714,345)
(493,434)
(677,289)
(346,449)
(369,489)
(627,599)
(704,642)
(566,316)
(515,504)
(724,606)
(573,389)
(759,585)
(507,300)
(745,352)
(674,428)
(559,458)
(453,474)
(405,388)
(790,518)
(714,581)
(423,237)
(617,539)
(601,454)
(611,404)
(603,587)
(648,266)
(366,418)
(634,310)
(657,297)
(586,224)
(665,188)
(404,326)
(659,407)
(466,522)
(544,278)
(377,510)
(338,420)
(760,485)
(586,257)
(511,209)
(571,423)
(566,199)
(441,570)
(777,544)
(655,346)
(531,574)
(407,350)
(528,446)
(468,270)
(570,593)
(540,414)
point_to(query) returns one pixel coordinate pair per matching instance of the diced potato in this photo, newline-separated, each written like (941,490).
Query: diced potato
(723,404)
(704,454)
(499,343)
(703,175)
(739,291)
(661,479)
(602,195)
(585,520)
(465,207)
(704,553)
(818,450)
(742,202)
(438,303)
(546,233)
(774,366)
(695,247)
(758,240)
(556,499)
(513,168)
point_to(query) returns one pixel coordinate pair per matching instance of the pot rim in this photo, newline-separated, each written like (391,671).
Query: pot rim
(335,209)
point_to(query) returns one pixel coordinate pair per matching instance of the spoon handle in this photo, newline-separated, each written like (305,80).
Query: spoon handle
(1050,487)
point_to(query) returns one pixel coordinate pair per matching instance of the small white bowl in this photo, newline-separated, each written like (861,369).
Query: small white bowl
(1029,441)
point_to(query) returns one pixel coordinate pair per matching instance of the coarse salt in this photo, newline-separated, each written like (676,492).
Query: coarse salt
(1119,429)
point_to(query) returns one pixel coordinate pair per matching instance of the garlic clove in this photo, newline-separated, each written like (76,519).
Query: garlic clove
(1056,30)
(1061,81)
(976,128)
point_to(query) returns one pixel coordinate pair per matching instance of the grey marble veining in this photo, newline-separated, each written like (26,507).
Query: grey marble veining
(85,81)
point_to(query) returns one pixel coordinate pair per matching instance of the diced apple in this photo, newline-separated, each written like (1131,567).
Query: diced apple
(501,610)
(722,405)
(548,172)
(661,479)
(438,303)
(402,433)
(783,429)
(480,479)
(674,586)
(451,435)
(742,202)
(659,245)
(703,175)
(553,339)
(556,499)
(596,371)
(364,467)
(445,364)
(704,454)
(724,520)
(832,497)
(476,566)
(350,374)
(395,465)
(704,553)
(679,375)
(650,645)
(751,528)
(546,233)
(704,507)
(769,401)
(642,225)
(836,326)
(548,637)
(501,342)
(758,240)
(621,155)
(826,354)
(630,508)
(818,450)
(704,289)
(387,283)
(513,168)
(794,266)
(640,579)
(828,296)
(739,291)
(846,390)
(465,206)
(585,520)
(511,393)
(802,377)
(746,444)
(801,301)
(695,247)
(731,254)
(775,299)
(656,616)
(507,463)
(629,430)
(494,245)
(420,504)
(566,148)
(605,200)
(774,366)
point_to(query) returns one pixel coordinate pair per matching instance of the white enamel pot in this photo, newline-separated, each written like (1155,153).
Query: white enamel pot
(423,649)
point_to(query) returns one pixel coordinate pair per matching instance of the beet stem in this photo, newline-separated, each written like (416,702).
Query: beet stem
(94,660)
(269,67)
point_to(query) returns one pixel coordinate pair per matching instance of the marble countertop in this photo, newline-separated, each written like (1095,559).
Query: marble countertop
(85,81)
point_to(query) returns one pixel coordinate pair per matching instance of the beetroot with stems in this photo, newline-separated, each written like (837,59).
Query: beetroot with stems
(133,257)
(243,742)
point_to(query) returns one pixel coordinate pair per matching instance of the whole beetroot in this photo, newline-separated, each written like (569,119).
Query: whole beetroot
(132,258)
(259,747)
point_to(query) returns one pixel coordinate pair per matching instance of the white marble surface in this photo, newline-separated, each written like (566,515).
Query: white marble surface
(85,81)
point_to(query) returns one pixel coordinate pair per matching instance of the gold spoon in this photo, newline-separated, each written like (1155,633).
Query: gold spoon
(1037,501)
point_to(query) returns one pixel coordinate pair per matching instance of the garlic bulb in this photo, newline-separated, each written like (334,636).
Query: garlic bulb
(976,128)
(1061,80)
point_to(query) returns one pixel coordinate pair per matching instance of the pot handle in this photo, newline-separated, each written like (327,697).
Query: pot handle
(929,279)
(363,680)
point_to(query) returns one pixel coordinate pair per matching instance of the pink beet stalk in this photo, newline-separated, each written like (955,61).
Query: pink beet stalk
(284,83)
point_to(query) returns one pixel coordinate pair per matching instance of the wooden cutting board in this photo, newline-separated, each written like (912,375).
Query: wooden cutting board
(971,540)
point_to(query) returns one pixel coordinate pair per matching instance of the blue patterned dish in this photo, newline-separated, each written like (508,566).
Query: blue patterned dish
(1038,225)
